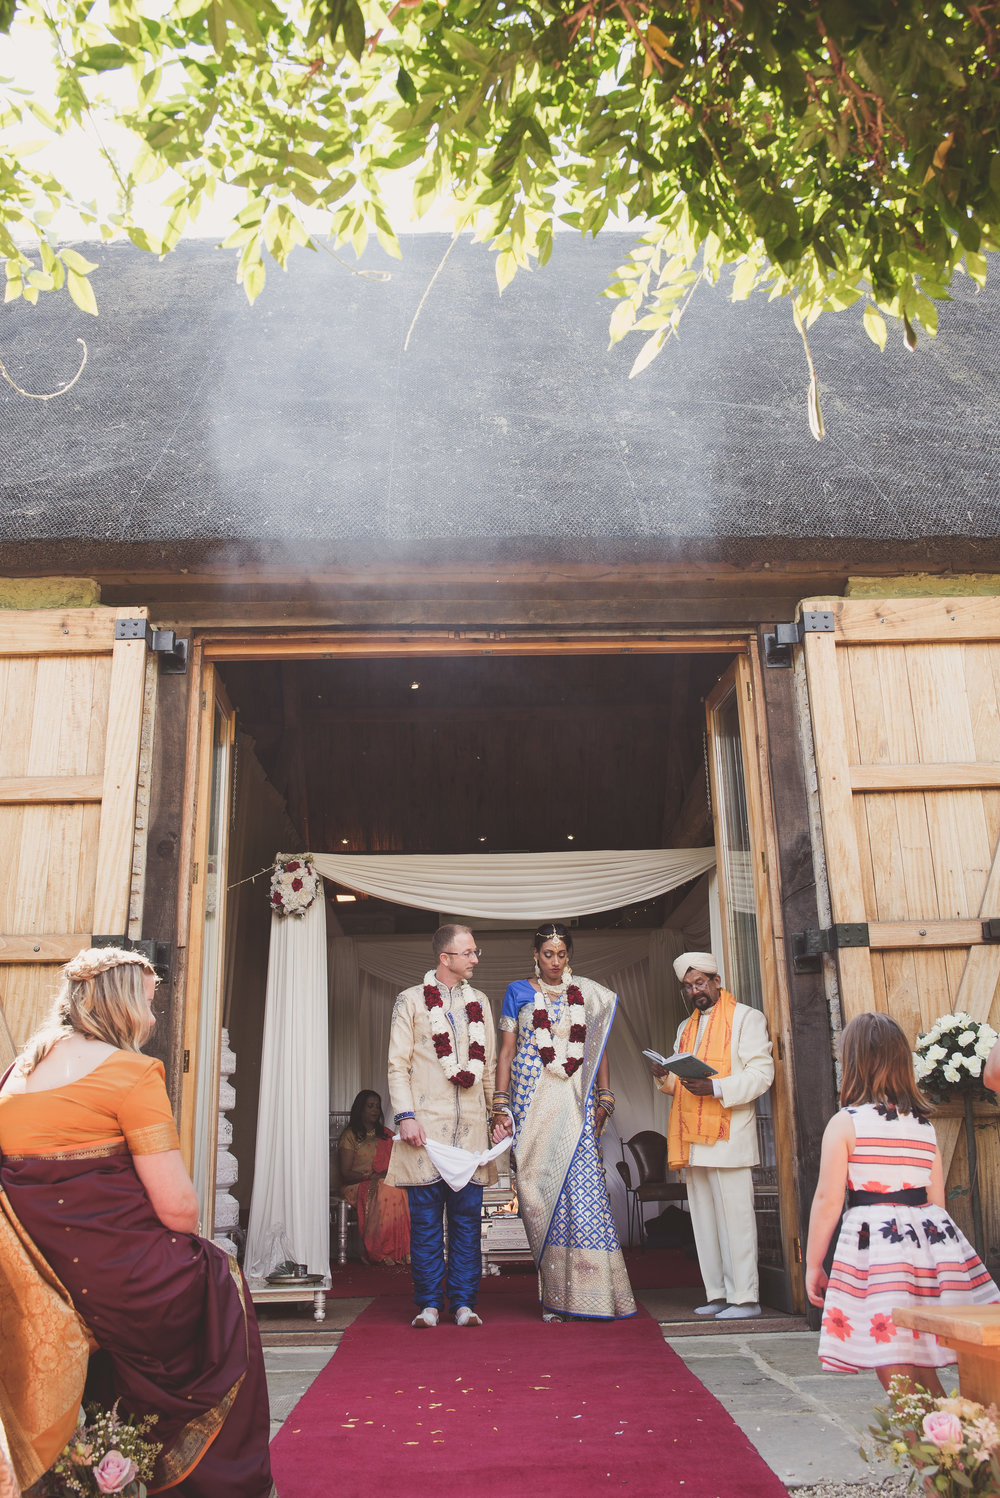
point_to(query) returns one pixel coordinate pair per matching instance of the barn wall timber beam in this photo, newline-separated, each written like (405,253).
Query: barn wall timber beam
(47,946)
(403,612)
(41,789)
(917,621)
(909,935)
(289,646)
(937,777)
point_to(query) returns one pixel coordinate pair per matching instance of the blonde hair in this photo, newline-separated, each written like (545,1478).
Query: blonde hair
(102,996)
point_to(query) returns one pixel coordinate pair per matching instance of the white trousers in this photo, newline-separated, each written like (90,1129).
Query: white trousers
(725,1232)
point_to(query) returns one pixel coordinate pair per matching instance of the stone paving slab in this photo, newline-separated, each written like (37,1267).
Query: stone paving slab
(806,1424)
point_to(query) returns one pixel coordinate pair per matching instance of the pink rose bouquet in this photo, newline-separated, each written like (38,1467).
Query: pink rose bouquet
(953,1444)
(943,1431)
(108,1456)
(114,1472)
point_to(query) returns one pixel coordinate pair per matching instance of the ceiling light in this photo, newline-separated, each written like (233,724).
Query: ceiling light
(344,841)
(414,685)
(482,840)
(346,899)
(569,837)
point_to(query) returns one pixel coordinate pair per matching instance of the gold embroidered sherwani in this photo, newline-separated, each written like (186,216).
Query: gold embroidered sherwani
(418,1084)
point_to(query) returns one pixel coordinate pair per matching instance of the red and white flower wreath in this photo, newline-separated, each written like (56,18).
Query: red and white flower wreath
(461,1076)
(561,1057)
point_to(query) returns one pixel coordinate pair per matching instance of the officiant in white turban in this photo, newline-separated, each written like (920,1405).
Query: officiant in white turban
(712,1134)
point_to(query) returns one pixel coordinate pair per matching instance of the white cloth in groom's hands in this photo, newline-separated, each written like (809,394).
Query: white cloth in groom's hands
(456,1167)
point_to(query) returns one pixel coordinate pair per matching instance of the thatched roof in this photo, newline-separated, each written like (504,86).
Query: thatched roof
(302,425)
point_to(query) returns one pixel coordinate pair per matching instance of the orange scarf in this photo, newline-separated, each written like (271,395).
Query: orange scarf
(702,1120)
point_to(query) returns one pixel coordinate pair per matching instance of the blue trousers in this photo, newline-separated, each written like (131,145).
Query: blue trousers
(429,1205)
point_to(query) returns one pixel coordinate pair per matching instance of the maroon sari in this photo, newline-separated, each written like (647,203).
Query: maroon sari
(170,1313)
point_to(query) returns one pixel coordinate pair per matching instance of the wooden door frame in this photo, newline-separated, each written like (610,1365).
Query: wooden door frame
(215,647)
(198,822)
(743,678)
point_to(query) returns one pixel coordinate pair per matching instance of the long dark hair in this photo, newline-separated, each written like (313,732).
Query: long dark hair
(553,931)
(877,1066)
(356,1122)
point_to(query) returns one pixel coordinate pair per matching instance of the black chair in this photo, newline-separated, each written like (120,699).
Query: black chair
(633,1206)
(649,1151)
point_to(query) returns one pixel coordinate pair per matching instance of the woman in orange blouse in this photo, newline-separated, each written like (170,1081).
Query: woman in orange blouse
(99,1252)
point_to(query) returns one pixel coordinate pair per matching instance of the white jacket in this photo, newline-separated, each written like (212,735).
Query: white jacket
(751,1075)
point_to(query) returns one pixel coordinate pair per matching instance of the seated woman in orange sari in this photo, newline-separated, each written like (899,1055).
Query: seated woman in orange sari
(103,1278)
(383,1211)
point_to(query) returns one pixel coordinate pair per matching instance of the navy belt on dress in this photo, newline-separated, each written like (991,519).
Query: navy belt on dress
(911,1196)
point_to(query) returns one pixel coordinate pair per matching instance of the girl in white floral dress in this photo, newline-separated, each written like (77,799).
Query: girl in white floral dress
(897,1244)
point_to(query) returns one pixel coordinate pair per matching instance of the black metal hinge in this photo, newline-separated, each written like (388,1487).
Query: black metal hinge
(778,645)
(808,947)
(156,953)
(173,653)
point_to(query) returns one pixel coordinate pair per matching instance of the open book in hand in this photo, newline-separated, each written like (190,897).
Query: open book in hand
(682,1063)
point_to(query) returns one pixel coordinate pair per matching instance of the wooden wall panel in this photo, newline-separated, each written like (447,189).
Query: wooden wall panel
(67,795)
(908,720)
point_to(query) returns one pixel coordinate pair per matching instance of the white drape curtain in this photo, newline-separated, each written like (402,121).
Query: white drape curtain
(326,1027)
(289,1207)
(517,886)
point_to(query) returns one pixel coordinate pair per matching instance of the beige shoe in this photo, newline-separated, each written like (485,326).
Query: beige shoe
(466,1316)
(428,1317)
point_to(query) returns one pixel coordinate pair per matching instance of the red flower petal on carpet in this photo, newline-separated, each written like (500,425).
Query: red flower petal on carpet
(396,1413)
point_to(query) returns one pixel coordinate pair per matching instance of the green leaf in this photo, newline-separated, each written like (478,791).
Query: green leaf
(405,87)
(73,260)
(81,291)
(506,269)
(874,325)
(648,352)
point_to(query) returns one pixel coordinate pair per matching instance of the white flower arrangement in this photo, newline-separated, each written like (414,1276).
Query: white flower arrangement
(952,1052)
(294,884)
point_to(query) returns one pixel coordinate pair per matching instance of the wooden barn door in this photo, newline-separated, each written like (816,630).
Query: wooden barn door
(71,703)
(904,701)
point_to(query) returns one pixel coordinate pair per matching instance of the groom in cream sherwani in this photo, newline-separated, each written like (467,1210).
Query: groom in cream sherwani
(442,1067)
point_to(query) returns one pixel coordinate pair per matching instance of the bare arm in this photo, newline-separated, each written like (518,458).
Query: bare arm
(508,1049)
(347,1172)
(935,1191)
(169,1189)
(991,1073)
(828,1202)
(502,1125)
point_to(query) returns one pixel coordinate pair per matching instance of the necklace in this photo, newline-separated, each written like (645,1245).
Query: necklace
(471,1073)
(561,1057)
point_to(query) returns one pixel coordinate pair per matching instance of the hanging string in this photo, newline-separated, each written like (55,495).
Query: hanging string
(252,877)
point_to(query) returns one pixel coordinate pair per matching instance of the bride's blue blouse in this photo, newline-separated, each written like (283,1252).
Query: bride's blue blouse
(519,993)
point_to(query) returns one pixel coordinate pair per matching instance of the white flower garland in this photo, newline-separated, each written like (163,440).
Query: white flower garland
(953,1051)
(461,1074)
(294,884)
(560,1056)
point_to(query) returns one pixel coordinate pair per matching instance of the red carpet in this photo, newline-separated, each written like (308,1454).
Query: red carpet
(656,1269)
(516,1407)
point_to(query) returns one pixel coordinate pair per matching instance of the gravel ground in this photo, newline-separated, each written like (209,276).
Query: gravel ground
(885,1487)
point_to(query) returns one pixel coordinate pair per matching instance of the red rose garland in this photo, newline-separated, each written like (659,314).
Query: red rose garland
(469,1075)
(572,1060)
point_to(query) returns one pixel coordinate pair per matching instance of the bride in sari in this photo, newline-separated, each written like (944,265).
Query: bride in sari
(104,1281)
(383,1211)
(552,1074)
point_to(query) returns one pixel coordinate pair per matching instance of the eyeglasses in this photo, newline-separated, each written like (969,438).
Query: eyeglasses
(473,952)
